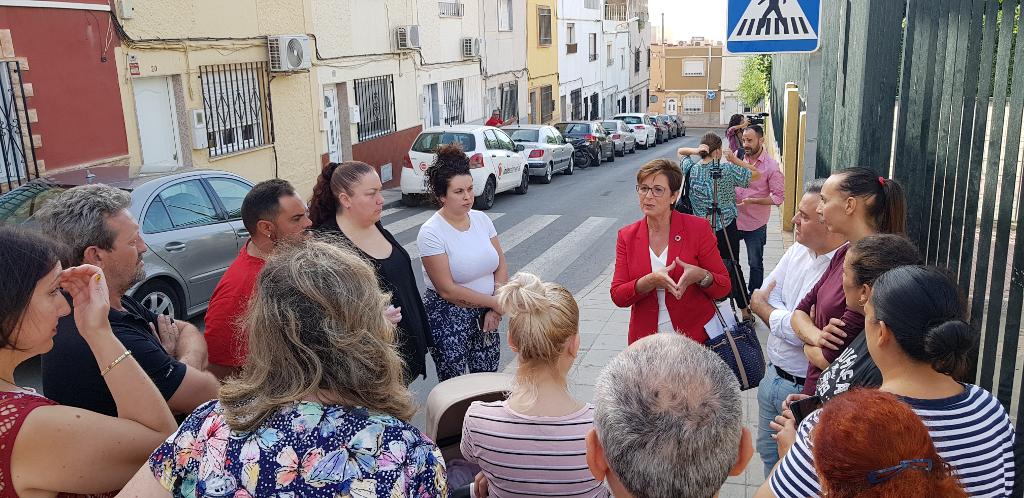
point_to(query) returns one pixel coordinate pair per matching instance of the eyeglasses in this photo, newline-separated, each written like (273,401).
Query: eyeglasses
(657,190)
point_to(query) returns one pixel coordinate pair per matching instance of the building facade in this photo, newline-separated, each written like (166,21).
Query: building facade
(614,54)
(640,47)
(505,75)
(581,73)
(690,80)
(542,54)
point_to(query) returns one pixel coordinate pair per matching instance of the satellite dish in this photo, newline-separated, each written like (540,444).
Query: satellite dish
(295,54)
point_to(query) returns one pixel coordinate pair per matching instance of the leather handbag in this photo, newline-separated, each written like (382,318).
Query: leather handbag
(683,205)
(739,348)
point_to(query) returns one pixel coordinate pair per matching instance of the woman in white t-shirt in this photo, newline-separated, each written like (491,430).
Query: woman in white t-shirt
(463,264)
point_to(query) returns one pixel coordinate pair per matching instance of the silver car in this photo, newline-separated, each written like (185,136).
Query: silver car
(546,151)
(190,219)
(621,136)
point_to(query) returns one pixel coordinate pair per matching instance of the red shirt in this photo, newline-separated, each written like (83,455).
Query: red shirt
(493,121)
(226,342)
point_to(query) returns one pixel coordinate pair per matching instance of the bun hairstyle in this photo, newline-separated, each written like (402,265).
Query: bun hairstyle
(886,201)
(876,254)
(334,179)
(713,141)
(923,307)
(543,316)
(450,161)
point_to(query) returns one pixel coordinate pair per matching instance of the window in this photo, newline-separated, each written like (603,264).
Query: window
(611,56)
(376,100)
(453,102)
(491,141)
(503,141)
(235,98)
(504,15)
(509,99)
(592,4)
(693,104)
(544,25)
(576,101)
(231,194)
(450,9)
(547,104)
(186,204)
(524,135)
(636,61)
(427,142)
(593,46)
(693,67)
(622,56)
(595,110)
(648,57)
(570,35)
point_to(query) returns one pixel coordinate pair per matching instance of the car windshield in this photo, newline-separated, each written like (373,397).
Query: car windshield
(20,204)
(630,120)
(573,128)
(519,135)
(428,142)
(610,126)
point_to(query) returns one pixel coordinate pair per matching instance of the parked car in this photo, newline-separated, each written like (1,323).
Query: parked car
(600,146)
(671,125)
(621,135)
(191,220)
(546,151)
(642,125)
(681,123)
(494,161)
(662,129)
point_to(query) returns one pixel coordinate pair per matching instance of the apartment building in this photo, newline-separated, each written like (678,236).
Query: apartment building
(693,80)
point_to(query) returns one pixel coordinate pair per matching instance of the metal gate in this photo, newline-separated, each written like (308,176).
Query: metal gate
(453,102)
(17,147)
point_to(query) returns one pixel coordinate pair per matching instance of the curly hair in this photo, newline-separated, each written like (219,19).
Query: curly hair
(451,161)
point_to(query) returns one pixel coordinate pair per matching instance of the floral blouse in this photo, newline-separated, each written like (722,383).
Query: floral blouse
(303,450)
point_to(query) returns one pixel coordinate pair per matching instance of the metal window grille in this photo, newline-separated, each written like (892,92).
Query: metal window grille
(544,25)
(593,47)
(375,97)
(636,61)
(648,57)
(450,9)
(504,15)
(592,4)
(595,107)
(509,103)
(693,104)
(576,101)
(17,147)
(236,98)
(453,102)
(615,12)
(547,104)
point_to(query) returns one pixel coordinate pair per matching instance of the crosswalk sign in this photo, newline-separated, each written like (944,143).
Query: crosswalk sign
(773,26)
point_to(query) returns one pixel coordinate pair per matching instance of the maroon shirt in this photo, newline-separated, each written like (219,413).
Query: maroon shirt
(829,302)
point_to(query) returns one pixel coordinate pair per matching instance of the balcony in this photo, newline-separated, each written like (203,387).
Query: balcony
(615,12)
(450,9)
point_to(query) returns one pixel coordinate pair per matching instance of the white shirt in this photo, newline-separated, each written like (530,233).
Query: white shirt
(659,261)
(472,258)
(794,276)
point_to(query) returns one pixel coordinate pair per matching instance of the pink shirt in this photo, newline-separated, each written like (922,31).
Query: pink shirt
(770,184)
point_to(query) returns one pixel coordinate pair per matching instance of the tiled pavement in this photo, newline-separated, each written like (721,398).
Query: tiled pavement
(603,329)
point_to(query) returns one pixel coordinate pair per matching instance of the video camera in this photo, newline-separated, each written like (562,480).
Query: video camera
(756,118)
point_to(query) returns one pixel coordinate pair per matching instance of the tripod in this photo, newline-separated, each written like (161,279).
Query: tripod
(731,263)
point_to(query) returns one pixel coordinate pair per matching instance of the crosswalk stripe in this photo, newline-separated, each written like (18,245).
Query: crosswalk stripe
(389,211)
(563,253)
(524,230)
(414,251)
(407,223)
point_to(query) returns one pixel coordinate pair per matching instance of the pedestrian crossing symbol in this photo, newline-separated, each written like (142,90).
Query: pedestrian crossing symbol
(773,26)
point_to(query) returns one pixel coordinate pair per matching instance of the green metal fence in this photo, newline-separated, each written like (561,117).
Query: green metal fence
(925,91)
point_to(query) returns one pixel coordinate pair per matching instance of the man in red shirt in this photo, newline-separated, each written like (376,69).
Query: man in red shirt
(497,121)
(272,213)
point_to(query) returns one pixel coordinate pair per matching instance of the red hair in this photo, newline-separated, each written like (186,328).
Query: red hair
(865,430)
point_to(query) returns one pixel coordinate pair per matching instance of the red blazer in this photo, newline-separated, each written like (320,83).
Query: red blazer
(691,239)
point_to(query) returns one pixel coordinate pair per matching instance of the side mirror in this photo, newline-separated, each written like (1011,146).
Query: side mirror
(520,148)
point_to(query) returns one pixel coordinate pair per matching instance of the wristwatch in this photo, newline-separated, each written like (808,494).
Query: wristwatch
(706,281)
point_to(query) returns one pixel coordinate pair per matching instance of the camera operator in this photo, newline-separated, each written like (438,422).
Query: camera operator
(712,194)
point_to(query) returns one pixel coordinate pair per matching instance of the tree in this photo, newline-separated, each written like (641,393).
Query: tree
(754,80)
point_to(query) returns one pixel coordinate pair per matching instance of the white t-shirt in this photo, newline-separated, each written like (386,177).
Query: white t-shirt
(471,256)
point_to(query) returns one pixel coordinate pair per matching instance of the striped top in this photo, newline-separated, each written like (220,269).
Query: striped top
(523,455)
(971,431)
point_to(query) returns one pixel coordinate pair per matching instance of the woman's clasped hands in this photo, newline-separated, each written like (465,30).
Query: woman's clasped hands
(677,287)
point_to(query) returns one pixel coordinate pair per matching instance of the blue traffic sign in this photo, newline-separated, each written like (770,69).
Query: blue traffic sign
(773,26)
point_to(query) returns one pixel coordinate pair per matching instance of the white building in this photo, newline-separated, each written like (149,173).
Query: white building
(503,49)
(449,78)
(616,58)
(732,69)
(640,46)
(581,70)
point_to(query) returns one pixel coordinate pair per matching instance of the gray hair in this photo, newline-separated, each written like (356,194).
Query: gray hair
(814,186)
(78,218)
(669,417)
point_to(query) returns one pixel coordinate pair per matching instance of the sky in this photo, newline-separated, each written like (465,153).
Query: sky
(688,18)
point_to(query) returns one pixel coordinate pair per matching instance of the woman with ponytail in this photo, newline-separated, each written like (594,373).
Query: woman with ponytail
(347,202)
(918,336)
(533,443)
(855,203)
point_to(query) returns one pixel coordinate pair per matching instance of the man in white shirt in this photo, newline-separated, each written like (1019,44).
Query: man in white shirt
(793,277)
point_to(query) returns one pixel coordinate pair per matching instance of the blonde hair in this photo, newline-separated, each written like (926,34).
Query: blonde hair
(317,329)
(543,317)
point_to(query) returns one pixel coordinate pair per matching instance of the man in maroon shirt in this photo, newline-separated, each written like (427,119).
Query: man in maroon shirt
(272,213)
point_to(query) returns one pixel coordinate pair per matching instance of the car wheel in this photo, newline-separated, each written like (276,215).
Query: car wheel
(161,298)
(632,150)
(411,200)
(486,200)
(581,157)
(569,169)
(611,157)
(524,184)
(597,159)
(548,172)
(684,132)
(623,153)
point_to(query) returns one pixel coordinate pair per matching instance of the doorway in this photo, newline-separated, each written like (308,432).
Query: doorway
(157,118)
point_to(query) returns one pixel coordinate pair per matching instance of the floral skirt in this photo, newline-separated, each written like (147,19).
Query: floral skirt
(460,345)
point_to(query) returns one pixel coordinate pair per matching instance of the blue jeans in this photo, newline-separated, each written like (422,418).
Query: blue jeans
(755,241)
(770,394)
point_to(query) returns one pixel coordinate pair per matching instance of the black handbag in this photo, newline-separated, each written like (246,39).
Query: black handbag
(683,205)
(739,348)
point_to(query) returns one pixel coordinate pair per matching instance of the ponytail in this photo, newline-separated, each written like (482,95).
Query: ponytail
(324,204)
(887,203)
(713,141)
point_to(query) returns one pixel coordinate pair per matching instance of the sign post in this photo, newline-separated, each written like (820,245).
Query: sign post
(773,26)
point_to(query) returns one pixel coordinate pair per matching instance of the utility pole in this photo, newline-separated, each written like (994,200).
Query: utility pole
(663,29)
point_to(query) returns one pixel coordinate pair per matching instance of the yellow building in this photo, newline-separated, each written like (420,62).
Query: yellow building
(542,59)
(688,80)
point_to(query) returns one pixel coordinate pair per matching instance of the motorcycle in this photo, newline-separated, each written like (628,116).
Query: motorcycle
(582,157)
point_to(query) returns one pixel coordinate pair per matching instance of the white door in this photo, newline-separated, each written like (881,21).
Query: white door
(332,124)
(158,124)
(432,112)
(671,107)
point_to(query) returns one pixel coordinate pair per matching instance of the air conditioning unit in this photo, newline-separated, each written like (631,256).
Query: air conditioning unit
(470,48)
(407,37)
(289,53)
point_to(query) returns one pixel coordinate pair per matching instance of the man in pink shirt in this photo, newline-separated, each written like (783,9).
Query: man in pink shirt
(755,202)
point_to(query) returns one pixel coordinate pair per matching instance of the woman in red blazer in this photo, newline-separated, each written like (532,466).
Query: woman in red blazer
(667,264)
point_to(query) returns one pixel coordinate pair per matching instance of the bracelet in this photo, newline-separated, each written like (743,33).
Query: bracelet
(114,363)
(707,280)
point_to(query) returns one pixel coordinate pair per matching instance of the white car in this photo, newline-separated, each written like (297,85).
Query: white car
(546,151)
(642,126)
(495,162)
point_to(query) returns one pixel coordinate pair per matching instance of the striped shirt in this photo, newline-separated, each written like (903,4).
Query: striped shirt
(523,455)
(971,432)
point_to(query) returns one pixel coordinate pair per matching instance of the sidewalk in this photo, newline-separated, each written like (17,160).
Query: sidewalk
(603,329)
